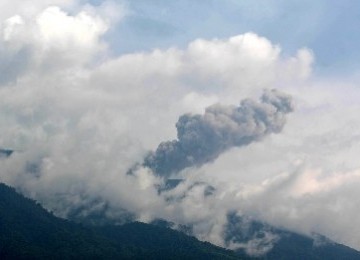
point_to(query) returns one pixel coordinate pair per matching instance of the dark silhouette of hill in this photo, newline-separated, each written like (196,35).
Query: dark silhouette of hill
(27,231)
(286,245)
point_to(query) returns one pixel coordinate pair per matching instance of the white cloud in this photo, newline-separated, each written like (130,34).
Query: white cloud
(29,9)
(305,178)
(70,34)
(80,118)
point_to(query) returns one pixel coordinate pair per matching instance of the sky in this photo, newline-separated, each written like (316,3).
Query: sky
(253,104)
(329,28)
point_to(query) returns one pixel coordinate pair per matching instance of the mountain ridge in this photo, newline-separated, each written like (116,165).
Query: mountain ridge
(28,231)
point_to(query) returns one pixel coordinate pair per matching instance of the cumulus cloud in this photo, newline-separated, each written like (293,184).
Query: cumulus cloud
(52,41)
(79,118)
(202,138)
(307,202)
(29,9)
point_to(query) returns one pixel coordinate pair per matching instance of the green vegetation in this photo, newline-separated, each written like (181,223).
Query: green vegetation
(292,246)
(27,231)
(287,245)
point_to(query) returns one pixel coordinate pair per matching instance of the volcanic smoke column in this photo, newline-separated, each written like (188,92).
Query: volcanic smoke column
(202,138)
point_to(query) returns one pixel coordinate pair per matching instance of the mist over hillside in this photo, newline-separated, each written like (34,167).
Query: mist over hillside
(30,232)
(210,115)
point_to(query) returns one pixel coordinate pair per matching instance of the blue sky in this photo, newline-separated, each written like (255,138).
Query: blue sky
(329,28)
(73,103)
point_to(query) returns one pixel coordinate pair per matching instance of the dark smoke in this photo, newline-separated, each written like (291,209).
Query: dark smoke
(202,138)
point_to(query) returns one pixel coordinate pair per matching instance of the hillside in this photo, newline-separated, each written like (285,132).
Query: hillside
(27,231)
(284,244)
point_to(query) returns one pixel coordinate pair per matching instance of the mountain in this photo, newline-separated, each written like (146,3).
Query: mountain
(252,237)
(27,231)
(274,243)
(165,242)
